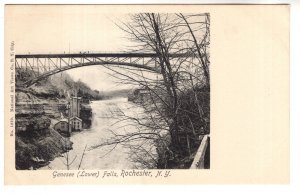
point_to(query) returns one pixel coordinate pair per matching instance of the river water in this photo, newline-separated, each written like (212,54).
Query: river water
(105,115)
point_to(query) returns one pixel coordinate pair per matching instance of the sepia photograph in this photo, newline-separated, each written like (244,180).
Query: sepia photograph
(114,91)
(146,94)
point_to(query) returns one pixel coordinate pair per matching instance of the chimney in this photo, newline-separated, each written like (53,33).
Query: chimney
(75,106)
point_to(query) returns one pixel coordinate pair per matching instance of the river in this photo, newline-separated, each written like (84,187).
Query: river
(104,118)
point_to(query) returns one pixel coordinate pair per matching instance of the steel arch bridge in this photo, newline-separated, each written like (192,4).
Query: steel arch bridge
(45,65)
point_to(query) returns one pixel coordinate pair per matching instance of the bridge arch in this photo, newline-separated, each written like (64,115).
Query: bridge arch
(55,63)
(78,65)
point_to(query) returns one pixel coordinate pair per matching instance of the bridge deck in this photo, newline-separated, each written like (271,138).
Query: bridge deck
(88,55)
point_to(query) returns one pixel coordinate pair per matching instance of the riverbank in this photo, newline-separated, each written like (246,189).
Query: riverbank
(38,108)
(37,142)
(105,122)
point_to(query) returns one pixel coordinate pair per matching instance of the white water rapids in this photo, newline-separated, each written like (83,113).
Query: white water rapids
(102,124)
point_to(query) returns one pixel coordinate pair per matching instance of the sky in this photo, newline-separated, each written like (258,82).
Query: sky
(59,29)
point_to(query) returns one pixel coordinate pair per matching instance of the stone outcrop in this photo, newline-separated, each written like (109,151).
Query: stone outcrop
(38,108)
(86,115)
(37,142)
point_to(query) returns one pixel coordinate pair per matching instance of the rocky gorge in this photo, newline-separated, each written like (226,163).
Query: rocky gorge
(38,108)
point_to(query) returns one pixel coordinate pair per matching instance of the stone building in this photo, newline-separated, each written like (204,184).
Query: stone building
(62,126)
(76,123)
(75,106)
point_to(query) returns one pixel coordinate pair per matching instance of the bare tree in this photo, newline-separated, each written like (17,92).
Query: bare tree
(175,104)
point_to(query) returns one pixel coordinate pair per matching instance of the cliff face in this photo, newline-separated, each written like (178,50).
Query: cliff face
(37,109)
(86,115)
(36,142)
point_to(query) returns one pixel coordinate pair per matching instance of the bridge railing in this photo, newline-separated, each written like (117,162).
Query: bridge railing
(115,54)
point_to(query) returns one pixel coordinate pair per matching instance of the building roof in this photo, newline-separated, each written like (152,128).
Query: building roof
(63,120)
(75,118)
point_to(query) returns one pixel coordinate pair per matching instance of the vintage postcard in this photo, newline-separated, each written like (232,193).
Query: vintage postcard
(146,94)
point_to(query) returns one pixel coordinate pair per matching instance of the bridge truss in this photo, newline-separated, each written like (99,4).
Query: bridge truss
(41,66)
